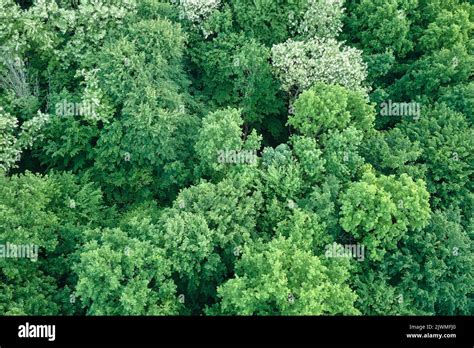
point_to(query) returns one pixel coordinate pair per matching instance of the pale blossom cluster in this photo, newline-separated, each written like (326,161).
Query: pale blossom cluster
(300,64)
(13,141)
(198,10)
(9,152)
(322,19)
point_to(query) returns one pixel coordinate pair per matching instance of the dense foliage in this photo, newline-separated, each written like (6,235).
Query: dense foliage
(235,157)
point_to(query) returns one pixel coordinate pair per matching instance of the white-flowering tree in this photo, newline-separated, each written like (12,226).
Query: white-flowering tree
(9,152)
(197,10)
(300,64)
(322,19)
(14,138)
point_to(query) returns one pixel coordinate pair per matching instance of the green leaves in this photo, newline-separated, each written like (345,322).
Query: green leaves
(221,132)
(429,273)
(448,29)
(279,279)
(45,216)
(132,277)
(446,140)
(381,25)
(269,21)
(233,70)
(379,211)
(325,107)
(201,157)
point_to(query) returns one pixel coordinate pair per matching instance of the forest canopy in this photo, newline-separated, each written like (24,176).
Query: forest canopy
(235,157)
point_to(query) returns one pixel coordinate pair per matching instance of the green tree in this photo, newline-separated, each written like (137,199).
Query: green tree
(269,21)
(378,211)
(325,107)
(279,279)
(446,140)
(120,274)
(204,232)
(429,273)
(46,215)
(381,24)
(220,133)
